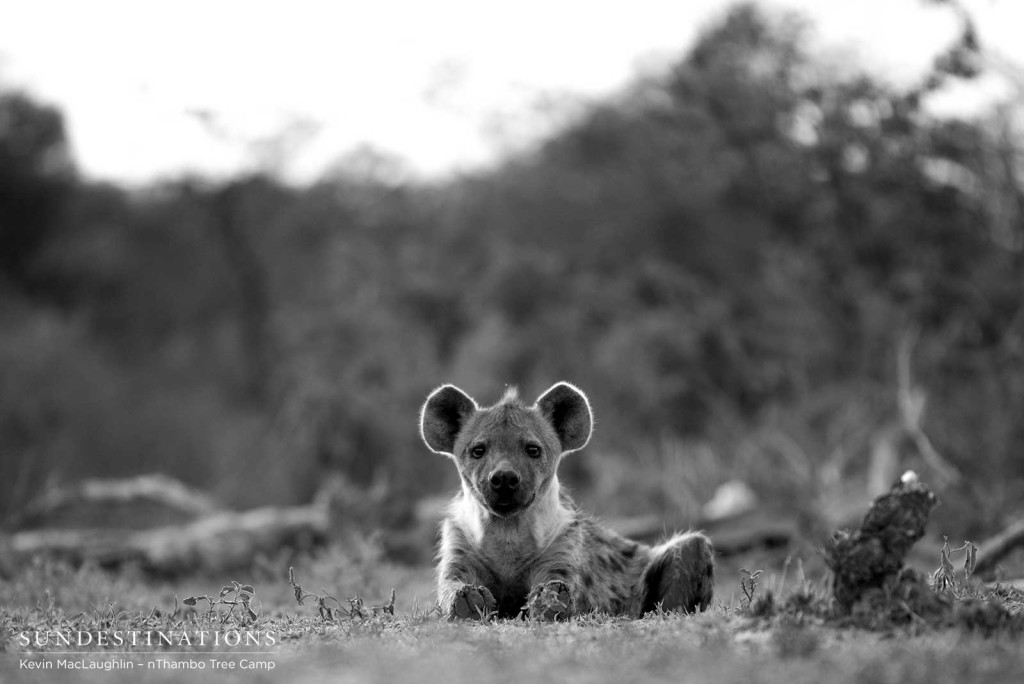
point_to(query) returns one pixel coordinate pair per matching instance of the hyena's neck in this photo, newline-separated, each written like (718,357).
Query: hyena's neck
(543,521)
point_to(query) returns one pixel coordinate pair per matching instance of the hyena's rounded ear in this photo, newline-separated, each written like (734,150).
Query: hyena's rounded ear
(567,409)
(443,415)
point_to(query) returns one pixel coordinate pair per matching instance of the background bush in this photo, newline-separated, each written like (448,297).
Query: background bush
(730,257)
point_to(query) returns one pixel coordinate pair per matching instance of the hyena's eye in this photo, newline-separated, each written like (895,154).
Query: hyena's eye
(533,451)
(478,451)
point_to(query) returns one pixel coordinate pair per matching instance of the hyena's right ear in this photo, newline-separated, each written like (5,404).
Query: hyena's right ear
(443,415)
(566,407)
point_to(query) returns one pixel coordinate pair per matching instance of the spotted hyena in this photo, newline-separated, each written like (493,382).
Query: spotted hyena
(513,542)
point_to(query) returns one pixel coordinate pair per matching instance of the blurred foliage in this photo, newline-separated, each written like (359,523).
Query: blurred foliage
(35,175)
(725,256)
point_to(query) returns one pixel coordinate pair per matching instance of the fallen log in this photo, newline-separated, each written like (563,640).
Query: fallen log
(991,552)
(749,531)
(130,503)
(216,542)
(159,523)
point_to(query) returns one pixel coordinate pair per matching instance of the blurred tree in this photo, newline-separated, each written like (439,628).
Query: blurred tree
(36,174)
(726,256)
(232,224)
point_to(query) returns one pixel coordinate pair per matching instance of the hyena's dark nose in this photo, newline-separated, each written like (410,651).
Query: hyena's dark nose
(504,480)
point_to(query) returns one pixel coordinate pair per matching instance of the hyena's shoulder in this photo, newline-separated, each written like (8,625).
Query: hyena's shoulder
(605,549)
(608,567)
(594,543)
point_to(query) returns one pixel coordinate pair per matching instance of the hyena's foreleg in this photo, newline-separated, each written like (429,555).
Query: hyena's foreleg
(554,580)
(461,593)
(464,600)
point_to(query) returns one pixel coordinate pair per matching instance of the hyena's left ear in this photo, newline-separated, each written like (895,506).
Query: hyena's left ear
(443,416)
(568,411)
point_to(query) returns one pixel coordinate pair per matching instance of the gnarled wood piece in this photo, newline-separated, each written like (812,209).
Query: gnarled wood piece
(866,558)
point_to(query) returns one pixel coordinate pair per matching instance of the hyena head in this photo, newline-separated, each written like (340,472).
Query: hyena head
(506,454)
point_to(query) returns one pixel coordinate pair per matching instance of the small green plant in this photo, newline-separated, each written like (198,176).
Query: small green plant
(748,584)
(357,609)
(232,595)
(945,578)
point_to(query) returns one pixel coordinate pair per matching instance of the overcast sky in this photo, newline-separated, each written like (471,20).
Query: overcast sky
(151,88)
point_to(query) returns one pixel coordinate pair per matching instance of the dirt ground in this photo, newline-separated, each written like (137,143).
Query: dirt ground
(725,644)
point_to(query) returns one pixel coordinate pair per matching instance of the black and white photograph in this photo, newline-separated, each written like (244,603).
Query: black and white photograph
(453,342)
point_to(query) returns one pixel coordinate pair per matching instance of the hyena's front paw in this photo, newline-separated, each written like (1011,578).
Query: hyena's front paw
(549,601)
(472,602)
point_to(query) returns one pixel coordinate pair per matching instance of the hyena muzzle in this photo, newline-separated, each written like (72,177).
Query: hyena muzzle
(512,543)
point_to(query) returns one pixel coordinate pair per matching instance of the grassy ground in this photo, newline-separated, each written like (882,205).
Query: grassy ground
(726,644)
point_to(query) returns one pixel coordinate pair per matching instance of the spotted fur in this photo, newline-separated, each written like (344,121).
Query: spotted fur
(507,543)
